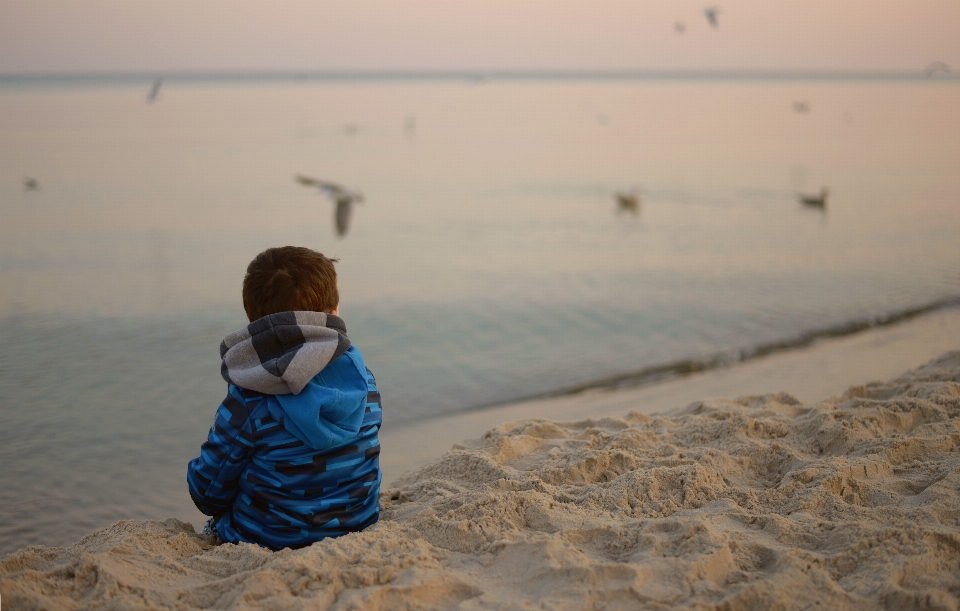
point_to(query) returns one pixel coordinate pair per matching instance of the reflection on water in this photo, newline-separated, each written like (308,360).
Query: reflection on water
(488,262)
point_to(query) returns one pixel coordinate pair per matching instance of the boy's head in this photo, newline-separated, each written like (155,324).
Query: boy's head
(290,278)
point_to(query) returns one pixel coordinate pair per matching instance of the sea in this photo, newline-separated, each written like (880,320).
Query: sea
(489,262)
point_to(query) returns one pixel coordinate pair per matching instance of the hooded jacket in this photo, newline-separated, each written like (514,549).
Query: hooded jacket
(292,457)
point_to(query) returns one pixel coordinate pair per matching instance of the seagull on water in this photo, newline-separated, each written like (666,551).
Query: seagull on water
(814,201)
(711,13)
(628,200)
(343,198)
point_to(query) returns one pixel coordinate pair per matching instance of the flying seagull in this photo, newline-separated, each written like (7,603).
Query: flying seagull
(711,13)
(152,96)
(934,67)
(344,199)
(814,201)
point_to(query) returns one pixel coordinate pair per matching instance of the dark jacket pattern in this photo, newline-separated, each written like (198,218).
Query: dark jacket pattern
(291,468)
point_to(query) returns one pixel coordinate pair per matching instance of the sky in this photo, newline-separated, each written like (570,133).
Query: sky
(175,36)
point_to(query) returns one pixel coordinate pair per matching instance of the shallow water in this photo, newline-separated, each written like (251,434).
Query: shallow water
(488,263)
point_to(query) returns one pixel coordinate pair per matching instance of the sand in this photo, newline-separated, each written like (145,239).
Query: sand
(760,502)
(811,374)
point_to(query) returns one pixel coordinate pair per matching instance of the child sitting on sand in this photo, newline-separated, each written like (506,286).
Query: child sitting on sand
(292,457)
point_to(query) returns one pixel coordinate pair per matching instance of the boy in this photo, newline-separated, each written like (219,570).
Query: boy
(292,457)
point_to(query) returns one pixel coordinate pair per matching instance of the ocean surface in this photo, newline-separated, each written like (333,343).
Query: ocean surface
(488,263)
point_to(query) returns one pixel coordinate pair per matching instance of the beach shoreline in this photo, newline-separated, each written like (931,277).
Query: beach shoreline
(632,499)
(813,372)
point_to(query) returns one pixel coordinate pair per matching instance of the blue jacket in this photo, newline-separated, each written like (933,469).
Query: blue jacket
(288,469)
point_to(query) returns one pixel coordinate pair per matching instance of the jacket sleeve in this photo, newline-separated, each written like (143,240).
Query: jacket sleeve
(214,477)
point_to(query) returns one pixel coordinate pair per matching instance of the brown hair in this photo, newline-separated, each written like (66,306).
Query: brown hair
(287,279)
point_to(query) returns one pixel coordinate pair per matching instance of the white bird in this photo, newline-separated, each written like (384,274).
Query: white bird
(814,201)
(343,198)
(152,96)
(934,67)
(711,13)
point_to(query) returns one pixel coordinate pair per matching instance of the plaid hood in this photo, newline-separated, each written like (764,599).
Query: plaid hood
(280,353)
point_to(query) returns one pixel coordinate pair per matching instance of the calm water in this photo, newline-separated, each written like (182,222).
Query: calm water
(488,263)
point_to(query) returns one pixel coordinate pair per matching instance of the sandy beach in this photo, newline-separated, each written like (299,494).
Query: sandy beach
(662,301)
(794,481)
(816,372)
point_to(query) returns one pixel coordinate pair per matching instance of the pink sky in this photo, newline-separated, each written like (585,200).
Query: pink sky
(42,36)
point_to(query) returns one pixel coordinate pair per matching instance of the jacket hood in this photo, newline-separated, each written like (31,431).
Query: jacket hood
(329,411)
(279,354)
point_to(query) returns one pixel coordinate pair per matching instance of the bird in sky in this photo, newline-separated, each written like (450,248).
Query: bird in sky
(343,197)
(152,96)
(934,67)
(680,27)
(801,106)
(30,184)
(711,13)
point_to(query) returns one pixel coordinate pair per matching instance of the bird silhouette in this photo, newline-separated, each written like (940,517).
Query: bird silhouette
(711,13)
(801,107)
(934,67)
(814,201)
(343,198)
(152,96)
(628,201)
(30,184)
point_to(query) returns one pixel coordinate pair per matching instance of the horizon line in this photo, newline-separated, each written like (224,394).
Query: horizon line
(479,75)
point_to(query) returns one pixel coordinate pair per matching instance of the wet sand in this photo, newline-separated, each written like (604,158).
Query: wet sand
(816,372)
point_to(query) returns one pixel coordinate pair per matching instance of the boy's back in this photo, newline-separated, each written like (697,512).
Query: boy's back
(292,457)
